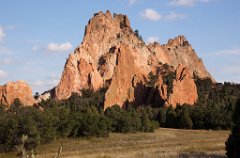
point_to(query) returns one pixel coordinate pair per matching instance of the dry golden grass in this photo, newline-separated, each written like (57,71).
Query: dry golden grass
(163,143)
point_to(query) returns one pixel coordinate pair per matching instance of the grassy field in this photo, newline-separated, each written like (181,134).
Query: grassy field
(163,143)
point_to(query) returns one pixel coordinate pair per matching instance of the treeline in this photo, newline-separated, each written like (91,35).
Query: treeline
(83,116)
(76,117)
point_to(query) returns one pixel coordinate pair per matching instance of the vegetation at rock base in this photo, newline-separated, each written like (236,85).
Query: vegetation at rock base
(83,116)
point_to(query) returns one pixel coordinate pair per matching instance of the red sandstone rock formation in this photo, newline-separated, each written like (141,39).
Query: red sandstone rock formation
(19,89)
(112,56)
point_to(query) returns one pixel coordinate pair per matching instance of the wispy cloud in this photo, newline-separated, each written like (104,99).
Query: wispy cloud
(53,47)
(186,3)
(225,64)
(153,15)
(228,73)
(54,77)
(2,34)
(49,82)
(152,39)
(131,2)
(5,50)
(41,83)
(234,69)
(175,16)
(3,74)
(226,52)
(6,61)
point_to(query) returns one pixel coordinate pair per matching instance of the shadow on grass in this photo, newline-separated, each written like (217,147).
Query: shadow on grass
(200,155)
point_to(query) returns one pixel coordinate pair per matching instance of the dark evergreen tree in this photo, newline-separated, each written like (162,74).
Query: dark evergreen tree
(171,118)
(233,142)
(183,119)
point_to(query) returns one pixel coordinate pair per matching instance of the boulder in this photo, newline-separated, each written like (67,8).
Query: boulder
(13,90)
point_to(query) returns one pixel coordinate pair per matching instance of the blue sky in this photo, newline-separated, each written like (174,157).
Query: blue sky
(37,36)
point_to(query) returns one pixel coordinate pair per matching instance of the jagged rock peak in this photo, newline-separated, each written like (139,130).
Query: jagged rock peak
(178,41)
(120,18)
(102,20)
(13,90)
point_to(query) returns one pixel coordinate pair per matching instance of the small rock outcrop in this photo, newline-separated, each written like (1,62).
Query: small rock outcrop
(13,90)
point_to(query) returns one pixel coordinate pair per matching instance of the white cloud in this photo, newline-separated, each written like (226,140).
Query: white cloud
(131,2)
(61,47)
(53,47)
(174,16)
(186,3)
(2,34)
(3,74)
(151,14)
(152,39)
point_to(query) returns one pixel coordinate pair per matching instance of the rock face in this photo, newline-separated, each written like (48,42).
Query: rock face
(19,89)
(184,90)
(113,56)
(128,78)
